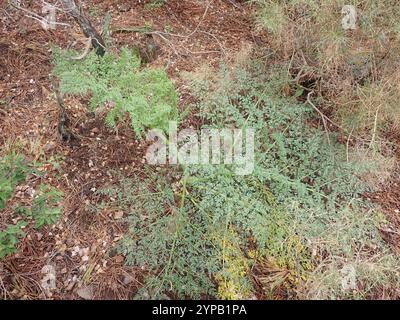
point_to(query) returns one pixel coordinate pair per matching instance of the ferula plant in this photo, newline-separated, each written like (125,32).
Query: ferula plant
(147,95)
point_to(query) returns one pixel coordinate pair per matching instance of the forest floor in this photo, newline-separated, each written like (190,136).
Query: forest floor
(208,33)
(79,245)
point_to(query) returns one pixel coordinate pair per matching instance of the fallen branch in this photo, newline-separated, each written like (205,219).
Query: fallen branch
(324,118)
(146,31)
(138,30)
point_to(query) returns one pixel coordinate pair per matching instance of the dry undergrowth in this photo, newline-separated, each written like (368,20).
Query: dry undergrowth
(79,245)
(354,76)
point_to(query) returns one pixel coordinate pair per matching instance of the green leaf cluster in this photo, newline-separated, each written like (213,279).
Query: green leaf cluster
(147,95)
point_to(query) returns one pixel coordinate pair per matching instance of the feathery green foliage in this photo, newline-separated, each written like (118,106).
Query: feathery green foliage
(202,237)
(153,4)
(163,238)
(147,95)
(303,201)
(45,208)
(9,238)
(12,172)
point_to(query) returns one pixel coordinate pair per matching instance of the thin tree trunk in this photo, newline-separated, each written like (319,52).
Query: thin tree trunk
(88,30)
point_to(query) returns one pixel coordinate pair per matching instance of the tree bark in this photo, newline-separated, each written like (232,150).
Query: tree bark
(88,30)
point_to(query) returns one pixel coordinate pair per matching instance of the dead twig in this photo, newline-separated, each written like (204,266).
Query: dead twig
(331,121)
(162,34)
(201,20)
(88,46)
(147,32)
(216,39)
(375,127)
(32,15)
(323,117)
(168,42)
(233,2)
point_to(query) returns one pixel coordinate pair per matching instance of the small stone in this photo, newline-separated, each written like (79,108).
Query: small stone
(85,293)
(125,7)
(84,252)
(128,279)
(48,147)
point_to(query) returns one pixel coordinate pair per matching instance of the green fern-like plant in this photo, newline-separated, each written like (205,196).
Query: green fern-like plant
(13,171)
(46,209)
(9,238)
(153,4)
(163,237)
(303,196)
(202,236)
(147,95)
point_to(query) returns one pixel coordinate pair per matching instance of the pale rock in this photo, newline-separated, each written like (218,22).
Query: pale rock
(85,293)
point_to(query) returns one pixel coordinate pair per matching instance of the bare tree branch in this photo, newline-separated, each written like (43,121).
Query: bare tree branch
(70,8)
(89,31)
(32,15)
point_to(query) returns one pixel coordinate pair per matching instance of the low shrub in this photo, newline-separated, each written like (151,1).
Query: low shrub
(147,95)
(298,219)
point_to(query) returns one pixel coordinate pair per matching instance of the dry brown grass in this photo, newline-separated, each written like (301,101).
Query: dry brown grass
(355,73)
